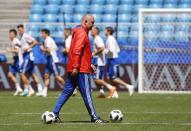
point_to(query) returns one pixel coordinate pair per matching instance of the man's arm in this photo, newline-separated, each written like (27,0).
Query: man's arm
(32,42)
(13,50)
(100,49)
(46,50)
(65,50)
(31,45)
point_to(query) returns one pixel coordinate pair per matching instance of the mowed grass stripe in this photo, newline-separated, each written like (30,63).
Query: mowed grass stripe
(142,112)
(86,123)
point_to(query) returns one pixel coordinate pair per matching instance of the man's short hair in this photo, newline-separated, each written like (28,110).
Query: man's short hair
(110,30)
(20,26)
(46,31)
(97,28)
(13,30)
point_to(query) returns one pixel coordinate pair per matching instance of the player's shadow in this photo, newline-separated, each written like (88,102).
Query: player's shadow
(76,122)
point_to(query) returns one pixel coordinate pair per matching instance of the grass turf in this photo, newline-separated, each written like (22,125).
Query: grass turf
(142,112)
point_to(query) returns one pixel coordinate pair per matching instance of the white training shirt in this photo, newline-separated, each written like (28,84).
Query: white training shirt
(26,40)
(68,42)
(112,47)
(15,43)
(98,42)
(50,43)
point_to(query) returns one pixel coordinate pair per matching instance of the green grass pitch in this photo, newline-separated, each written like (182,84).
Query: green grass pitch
(142,112)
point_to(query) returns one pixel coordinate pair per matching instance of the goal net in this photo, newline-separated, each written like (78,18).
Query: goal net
(164,51)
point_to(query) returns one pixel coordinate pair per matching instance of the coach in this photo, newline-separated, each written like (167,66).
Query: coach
(79,69)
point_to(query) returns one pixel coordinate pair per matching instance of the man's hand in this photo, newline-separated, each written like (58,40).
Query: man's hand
(93,68)
(64,50)
(106,51)
(42,47)
(8,49)
(93,53)
(74,72)
(26,49)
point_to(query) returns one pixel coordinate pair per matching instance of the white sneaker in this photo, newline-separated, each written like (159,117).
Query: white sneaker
(131,89)
(115,95)
(39,93)
(75,92)
(25,93)
(42,93)
(31,92)
(17,92)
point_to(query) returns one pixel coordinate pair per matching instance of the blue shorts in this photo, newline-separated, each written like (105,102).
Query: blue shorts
(94,61)
(15,68)
(99,73)
(27,65)
(51,67)
(65,59)
(113,68)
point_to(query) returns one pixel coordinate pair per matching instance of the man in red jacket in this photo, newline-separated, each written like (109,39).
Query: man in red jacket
(79,69)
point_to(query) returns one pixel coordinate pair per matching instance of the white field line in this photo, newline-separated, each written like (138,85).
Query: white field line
(85,123)
(130,98)
(79,113)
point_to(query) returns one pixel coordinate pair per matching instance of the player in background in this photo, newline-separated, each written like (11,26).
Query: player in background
(17,59)
(66,49)
(79,69)
(100,62)
(68,39)
(50,48)
(112,50)
(27,43)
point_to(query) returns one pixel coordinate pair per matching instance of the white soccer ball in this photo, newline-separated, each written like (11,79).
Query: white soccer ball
(48,117)
(116,116)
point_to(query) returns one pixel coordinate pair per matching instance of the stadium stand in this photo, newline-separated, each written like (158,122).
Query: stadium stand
(12,12)
(106,12)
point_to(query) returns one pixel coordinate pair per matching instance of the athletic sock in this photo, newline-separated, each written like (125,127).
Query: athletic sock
(45,89)
(18,87)
(30,88)
(26,88)
(39,86)
(109,86)
(127,86)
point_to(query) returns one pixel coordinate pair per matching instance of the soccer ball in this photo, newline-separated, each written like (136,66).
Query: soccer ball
(48,117)
(116,116)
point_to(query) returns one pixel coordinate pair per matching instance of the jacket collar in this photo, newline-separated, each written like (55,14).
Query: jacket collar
(82,27)
(86,30)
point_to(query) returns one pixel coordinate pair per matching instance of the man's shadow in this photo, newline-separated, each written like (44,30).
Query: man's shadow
(76,122)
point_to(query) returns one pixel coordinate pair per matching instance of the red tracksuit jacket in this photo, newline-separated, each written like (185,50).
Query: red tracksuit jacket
(80,51)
